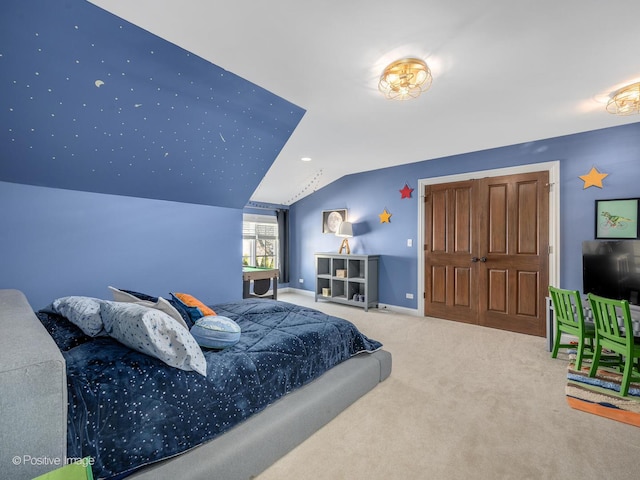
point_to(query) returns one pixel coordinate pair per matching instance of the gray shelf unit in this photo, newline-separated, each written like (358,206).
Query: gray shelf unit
(361,279)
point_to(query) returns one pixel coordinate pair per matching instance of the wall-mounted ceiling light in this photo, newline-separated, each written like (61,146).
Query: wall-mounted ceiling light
(405,78)
(306,159)
(625,101)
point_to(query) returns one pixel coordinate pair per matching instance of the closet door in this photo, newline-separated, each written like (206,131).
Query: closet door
(450,286)
(513,239)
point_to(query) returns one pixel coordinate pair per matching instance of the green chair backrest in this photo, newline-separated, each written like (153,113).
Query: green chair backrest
(608,315)
(567,308)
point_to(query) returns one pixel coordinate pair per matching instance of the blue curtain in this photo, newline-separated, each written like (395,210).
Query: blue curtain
(283,237)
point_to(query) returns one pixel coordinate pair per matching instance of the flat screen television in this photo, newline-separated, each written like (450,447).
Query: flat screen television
(611,268)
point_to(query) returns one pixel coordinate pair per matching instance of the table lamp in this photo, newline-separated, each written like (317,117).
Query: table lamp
(345,229)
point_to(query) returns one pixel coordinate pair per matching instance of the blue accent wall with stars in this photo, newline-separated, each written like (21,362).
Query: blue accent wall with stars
(93,103)
(125,160)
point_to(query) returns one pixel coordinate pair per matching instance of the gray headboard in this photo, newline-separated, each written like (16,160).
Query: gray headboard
(33,393)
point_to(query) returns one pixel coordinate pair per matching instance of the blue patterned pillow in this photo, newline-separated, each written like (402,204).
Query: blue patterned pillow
(216,331)
(154,333)
(84,312)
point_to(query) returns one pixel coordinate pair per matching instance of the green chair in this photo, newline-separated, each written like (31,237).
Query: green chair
(569,315)
(615,337)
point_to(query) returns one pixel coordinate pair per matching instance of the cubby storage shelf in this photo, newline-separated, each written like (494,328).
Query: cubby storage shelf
(357,287)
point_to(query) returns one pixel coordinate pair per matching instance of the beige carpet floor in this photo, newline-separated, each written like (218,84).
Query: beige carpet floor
(462,402)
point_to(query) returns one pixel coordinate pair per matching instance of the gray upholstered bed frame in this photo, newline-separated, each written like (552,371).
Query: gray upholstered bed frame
(33,409)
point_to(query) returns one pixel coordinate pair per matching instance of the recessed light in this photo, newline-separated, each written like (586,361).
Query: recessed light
(306,159)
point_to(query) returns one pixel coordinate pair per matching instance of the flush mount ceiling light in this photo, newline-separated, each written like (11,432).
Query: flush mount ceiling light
(625,101)
(405,78)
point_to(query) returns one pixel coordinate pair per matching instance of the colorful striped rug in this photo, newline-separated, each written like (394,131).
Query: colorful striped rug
(600,395)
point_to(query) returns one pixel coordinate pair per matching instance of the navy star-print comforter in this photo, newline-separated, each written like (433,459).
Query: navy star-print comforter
(127,409)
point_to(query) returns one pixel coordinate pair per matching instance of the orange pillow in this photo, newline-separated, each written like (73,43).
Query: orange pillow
(193,302)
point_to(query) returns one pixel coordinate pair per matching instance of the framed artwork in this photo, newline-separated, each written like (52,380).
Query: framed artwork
(617,218)
(331,219)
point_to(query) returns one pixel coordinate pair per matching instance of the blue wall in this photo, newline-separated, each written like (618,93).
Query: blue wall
(615,151)
(59,242)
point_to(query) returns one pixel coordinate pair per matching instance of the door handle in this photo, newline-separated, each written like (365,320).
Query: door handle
(483,259)
(474,259)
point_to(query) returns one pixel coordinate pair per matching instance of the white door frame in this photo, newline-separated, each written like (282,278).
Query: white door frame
(554,213)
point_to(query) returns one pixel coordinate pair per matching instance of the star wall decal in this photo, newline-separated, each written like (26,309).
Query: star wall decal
(385,217)
(406,191)
(593,178)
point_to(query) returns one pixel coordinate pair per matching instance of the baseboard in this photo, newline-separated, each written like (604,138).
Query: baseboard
(396,309)
(297,291)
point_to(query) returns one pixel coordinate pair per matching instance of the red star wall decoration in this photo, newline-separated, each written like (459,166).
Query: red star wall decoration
(406,191)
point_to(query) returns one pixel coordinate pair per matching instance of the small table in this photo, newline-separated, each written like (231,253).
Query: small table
(262,279)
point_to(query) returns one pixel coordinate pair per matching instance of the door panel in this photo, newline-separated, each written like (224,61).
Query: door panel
(450,291)
(527,282)
(486,260)
(498,219)
(439,283)
(527,235)
(497,301)
(517,237)
(462,287)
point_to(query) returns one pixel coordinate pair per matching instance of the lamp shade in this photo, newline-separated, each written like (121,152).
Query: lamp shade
(345,229)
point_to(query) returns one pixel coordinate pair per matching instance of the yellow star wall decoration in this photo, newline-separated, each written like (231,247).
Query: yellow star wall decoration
(593,178)
(385,217)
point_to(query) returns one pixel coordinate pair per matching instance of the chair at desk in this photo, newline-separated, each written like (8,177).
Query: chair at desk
(569,316)
(615,337)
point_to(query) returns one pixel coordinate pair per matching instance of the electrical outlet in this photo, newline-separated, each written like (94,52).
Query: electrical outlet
(301,280)
(409,296)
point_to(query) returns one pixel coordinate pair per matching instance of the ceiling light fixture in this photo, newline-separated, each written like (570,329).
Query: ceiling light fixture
(405,78)
(625,101)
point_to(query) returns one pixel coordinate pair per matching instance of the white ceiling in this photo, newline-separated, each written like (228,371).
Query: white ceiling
(505,72)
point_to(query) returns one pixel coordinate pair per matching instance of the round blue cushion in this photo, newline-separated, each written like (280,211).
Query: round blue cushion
(216,331)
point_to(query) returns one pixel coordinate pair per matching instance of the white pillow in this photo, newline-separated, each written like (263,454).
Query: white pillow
(162,304)
(154,333)
(84,312)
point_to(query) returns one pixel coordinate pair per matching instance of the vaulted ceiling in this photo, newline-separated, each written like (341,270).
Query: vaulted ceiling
(217,102)
(92,102)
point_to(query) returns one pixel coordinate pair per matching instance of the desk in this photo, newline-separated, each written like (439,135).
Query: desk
(262,278)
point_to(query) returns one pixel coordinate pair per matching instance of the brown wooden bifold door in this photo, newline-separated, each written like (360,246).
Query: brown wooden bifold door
(450,283)
(486,251)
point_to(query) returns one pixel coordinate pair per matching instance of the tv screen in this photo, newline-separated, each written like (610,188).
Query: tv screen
(611,269)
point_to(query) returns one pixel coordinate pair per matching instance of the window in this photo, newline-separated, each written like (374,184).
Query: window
(260,241)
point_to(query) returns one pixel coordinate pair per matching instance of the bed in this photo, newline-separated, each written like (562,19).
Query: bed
(64,394)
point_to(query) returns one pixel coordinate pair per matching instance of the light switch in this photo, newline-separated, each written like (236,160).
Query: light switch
(409,242)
